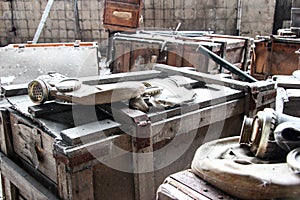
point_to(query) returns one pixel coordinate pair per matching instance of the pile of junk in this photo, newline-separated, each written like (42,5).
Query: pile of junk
(263,163)
(64,123)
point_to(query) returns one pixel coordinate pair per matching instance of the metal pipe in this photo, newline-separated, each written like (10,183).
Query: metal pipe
(239,17)
(230,67)
(77,25)
(42,22)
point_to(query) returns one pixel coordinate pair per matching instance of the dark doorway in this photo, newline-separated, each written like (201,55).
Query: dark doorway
(282,14)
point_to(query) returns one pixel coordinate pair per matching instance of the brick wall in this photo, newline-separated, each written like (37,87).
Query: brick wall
(215,15)
(68,20)
(81,19)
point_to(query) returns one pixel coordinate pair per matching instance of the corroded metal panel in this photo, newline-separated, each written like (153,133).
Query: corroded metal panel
(21,65)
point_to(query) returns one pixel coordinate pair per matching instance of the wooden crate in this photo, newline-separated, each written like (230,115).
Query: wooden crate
(19,184)
(67,158)
(185,185)
(177,51)
(131,54)
(235,49)
(122,15)
(275,56)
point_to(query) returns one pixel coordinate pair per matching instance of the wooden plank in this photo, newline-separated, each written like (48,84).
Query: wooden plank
(127,49)
(47,108)
(191,58)
(75,185)
(186,190)
(193,186)
(42,178)
(192,182)
(144,179)
(206,78)
(6,144)
(25,139)
(228,37)
(119,28)
(81,185)
(104,149)
(14,90)
(47,164)
(259,60)
(265,98)
(23,181)
(143,161)
(188,122)
(216,79)
(122,52)
(62,182)
(114,78)
(170,192)
(90,132)
(110,183)
(33,145)
(9,191)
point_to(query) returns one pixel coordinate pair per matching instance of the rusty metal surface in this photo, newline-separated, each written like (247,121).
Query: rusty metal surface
(275,56)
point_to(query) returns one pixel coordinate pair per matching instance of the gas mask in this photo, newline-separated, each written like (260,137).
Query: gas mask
(270,134)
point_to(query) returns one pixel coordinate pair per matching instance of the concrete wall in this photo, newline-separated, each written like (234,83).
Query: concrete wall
(82,19)
(258,17)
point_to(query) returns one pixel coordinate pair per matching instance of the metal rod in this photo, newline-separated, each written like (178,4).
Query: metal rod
(239,17)
(42,22)
(230,67)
